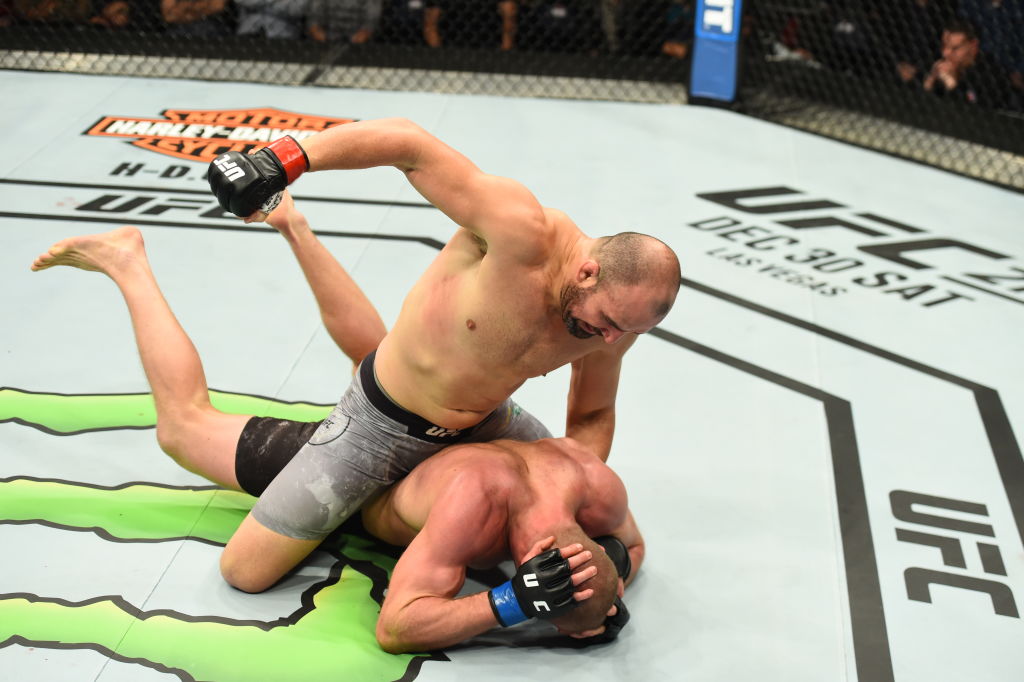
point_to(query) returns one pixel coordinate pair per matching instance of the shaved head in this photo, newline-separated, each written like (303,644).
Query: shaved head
(634,259)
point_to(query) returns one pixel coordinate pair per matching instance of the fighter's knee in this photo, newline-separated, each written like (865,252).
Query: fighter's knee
(241,577)
(182,431)
(168,437)
(178,445)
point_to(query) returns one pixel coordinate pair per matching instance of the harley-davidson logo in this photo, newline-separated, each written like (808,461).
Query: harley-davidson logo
(197,135)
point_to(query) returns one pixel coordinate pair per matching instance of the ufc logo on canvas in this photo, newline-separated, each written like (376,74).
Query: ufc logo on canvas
(919,509)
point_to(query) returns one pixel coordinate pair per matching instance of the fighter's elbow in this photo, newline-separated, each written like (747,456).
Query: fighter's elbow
(407,131)
(390,637)
(401,123)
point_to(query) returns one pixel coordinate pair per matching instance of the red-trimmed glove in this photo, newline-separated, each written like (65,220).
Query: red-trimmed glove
(245,183)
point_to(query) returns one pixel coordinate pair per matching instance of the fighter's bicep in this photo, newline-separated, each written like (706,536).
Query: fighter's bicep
(427,568)
(501,212)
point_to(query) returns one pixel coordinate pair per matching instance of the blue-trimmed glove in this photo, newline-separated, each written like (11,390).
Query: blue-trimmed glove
(244,183)
(541,588)
(618,553)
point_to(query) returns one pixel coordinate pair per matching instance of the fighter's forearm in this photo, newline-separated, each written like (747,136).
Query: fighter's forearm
(595,430)
(434,622)
(365,144)
(348,315)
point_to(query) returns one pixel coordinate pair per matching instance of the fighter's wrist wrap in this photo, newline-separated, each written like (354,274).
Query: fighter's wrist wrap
(541,588)
(505,606)
(618,553)
(291,155)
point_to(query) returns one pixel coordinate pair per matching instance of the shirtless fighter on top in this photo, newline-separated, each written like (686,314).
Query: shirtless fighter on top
(517,292)
(470,505)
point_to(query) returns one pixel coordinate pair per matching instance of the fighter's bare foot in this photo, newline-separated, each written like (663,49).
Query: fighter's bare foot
(96,252)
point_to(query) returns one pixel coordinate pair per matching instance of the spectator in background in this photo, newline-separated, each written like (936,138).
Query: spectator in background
(913,30)
(648,27)
(509,11)
(965,73)
(6,13)
(549,25)
(53,11)
(846,38)
(343,21)
(678,29)
(1000,25)
(475,24)
(611,20)
(196,18)
(115,14)
(412,22)
(277,19)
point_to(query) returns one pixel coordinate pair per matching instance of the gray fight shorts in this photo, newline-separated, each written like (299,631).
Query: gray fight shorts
(309,484)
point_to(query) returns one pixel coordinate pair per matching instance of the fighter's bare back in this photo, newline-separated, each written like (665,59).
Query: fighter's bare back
(507,490)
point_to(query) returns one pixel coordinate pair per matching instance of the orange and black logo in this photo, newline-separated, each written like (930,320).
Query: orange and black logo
(197,135)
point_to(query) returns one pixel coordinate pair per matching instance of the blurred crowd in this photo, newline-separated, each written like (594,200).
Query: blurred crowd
(636,27)
(970,51)
(966,50)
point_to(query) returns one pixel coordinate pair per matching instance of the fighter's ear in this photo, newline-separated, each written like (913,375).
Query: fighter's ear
(588,271)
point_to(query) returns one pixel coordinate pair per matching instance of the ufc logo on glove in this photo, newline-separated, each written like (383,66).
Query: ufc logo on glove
(230,169)
(545,575)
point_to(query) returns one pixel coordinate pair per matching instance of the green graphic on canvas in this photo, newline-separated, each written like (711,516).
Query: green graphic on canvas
(69,414)
(333,638)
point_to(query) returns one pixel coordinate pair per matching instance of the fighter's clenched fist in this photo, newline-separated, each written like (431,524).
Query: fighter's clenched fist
(247,183)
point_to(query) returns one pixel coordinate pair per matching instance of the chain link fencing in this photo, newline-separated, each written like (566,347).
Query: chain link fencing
(883,74)
(934,81)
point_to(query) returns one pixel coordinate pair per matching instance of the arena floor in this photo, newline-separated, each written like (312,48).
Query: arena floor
(818,442)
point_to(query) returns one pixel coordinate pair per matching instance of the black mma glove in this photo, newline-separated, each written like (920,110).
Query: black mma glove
(541,588)
(613,624)
(245,183)
(618,553)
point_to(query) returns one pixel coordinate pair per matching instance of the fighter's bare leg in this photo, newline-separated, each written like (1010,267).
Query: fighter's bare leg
(256,557)
(348,315)
(199,437)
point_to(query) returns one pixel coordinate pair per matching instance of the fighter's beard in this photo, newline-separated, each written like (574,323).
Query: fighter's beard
(570,295)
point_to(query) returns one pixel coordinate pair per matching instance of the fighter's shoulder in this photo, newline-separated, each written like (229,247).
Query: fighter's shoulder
(582,454)
(539,232)
(559,223)
(598,473)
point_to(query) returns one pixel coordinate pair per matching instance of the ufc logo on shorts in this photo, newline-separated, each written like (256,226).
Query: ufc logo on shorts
(441,432)
(230,169)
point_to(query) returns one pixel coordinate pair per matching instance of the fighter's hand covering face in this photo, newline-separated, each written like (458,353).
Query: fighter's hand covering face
(545,584)
(618,614)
